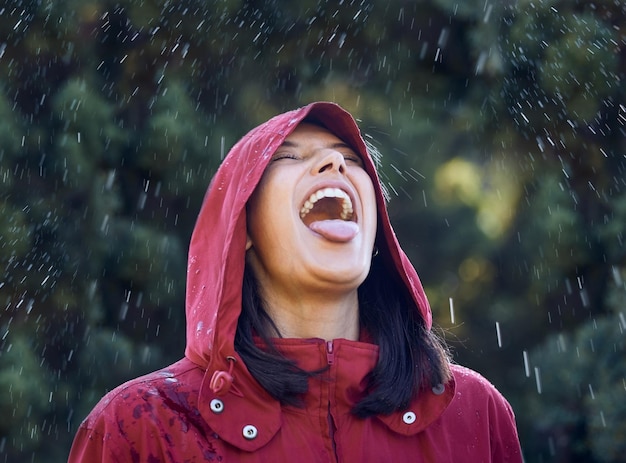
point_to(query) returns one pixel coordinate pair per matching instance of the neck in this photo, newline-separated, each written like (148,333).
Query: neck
(315,316)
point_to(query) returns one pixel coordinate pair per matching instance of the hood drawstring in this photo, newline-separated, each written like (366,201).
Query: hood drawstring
(222,381)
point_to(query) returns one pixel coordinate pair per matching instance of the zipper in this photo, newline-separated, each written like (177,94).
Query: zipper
(330,353)
(330,358)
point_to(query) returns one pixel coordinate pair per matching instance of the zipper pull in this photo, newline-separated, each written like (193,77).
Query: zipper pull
(330,354)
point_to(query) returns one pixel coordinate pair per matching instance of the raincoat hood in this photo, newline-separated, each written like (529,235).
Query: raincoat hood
(218,244)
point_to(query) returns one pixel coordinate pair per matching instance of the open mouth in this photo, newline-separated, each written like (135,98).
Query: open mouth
(327,204)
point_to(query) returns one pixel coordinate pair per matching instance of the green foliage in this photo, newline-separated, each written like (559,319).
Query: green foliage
(88,134)
(581,67)
(14,233)
(501,131)
(11,132)
(25,392)
(581,404)
(175,143)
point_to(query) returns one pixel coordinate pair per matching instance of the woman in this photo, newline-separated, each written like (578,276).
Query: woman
(308,330)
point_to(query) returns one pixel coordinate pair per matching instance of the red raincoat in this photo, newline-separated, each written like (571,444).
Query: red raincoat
(175,415)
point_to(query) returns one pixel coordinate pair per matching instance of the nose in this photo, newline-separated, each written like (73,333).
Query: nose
(331,161)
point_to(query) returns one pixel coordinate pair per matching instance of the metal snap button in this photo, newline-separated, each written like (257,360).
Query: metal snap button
(409,418)
(249,431)
(438,389)
(217,406)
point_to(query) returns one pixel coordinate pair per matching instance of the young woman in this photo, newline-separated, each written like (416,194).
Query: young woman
(308,331)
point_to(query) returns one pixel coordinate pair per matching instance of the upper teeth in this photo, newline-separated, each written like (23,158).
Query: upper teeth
(346,204)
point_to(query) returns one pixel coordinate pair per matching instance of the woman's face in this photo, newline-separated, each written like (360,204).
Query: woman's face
(312,218)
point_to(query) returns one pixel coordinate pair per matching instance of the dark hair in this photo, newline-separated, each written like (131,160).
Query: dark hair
(410,356)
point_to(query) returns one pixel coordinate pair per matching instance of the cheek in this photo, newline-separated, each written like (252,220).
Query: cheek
(264,208)
(254,212)
(369,206)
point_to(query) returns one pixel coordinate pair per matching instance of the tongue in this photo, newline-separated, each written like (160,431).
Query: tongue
(335,230)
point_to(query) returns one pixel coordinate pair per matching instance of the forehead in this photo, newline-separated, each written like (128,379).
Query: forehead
(307,133)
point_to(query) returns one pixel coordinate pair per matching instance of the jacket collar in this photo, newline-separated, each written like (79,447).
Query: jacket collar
(247,408)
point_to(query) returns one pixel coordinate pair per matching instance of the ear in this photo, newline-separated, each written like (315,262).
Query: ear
(248,242)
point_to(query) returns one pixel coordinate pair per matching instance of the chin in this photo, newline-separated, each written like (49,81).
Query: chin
(339,271)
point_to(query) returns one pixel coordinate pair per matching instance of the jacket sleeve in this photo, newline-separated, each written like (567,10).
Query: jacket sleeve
(114,431)
(91,446)
(481,417)
(505,444)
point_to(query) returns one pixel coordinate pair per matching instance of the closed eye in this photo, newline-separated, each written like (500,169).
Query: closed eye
(353,159)
(279,156)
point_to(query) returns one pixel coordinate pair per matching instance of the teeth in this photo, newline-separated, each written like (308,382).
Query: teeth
(346,204)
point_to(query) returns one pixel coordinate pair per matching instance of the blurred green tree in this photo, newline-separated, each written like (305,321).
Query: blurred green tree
(501,128)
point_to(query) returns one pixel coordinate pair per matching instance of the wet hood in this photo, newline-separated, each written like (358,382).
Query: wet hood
(217,249)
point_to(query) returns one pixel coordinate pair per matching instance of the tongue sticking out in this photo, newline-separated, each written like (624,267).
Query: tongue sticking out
(337,230)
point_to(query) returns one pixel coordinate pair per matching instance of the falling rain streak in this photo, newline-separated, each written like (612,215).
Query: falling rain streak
(498,334)
(497,129)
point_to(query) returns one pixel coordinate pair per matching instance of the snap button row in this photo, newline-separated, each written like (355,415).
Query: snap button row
(217,406)
(409,418)
(249,431)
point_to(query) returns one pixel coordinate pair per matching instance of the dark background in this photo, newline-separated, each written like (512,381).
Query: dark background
(502,128)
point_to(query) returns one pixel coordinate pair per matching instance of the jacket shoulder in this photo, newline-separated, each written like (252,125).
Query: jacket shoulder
(137,419)
(124,399)
(476,390)
(480,407)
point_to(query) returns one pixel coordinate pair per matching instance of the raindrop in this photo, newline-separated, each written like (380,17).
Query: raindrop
(342,39)
(540,144)
(616,276)
(437,55)
(123,311)
(141,202)
(538,379)
(584,297)
(105,223)
(29,305)
(480,63)
(593,396)
(499,335)
(443,37)
(488,11)
(451,301)
(526,364)
(110,179)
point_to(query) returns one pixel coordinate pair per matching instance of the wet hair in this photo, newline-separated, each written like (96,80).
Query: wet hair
(411,357)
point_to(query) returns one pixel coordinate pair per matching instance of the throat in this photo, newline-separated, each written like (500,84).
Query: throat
(314,314)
